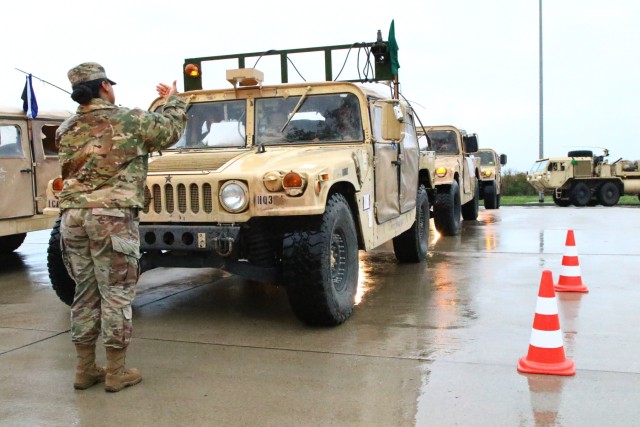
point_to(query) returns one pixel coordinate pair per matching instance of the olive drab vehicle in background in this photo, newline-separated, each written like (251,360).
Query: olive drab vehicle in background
(582,179)
(457,192)
(285,183)
(28,161)
(490,176)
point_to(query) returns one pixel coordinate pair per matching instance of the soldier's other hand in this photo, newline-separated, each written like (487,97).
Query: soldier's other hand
(164,90)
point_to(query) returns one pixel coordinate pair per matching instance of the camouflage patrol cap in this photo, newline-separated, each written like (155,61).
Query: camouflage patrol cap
(86,72)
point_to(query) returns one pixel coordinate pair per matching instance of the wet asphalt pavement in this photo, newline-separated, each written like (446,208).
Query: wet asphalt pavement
(430,344)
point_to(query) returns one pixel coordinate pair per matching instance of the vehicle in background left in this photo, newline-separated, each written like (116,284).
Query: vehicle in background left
(28,162)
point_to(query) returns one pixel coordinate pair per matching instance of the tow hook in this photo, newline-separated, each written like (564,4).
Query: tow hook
(223,245)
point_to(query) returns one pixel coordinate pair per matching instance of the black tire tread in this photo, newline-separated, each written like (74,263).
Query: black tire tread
(471,209)
(446,212)
(490,196)
(62,283)
(305,272)
(408,246)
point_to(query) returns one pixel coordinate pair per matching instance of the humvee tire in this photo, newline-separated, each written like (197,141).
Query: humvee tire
(447,209)
(490,196)
(580,194)
(608,194)
(471,208)
(580,153)
(62,283)
(560,202)
(413,244)
(12,242)
(320,266)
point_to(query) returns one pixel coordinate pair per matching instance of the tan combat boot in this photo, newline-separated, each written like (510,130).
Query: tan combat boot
(87,373)
(119,377)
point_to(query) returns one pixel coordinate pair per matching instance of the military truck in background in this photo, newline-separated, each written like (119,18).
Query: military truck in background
(28,161)
(286,198)
(457,192)
(582,179)
(490,176)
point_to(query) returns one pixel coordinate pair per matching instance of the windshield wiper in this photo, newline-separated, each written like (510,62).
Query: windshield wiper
(296,108)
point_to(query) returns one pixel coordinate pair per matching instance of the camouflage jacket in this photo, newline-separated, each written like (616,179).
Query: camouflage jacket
(103,152)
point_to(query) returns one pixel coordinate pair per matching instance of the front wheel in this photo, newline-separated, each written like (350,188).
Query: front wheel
(563,203)
(446,212)
(490,196)
(413,244)
(320,266)
(62,283)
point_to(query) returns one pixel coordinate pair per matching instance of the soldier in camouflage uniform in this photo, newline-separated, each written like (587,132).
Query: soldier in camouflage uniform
(103,156)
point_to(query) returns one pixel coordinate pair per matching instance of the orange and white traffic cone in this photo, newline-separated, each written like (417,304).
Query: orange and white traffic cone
(570,279)
(546,348)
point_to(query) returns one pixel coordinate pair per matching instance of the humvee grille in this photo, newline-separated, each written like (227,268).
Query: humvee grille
(206,196)
(157,200)
(168,196)
(164,199)
(182,198)
(195,202)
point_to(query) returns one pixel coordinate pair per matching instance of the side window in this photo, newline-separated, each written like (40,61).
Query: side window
(376,119)
(49,140)
(10,145)
(410,136)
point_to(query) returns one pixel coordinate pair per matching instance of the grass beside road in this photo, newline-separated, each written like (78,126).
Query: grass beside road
(523,200)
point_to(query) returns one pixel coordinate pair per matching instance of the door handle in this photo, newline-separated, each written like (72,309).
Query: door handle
(26,170)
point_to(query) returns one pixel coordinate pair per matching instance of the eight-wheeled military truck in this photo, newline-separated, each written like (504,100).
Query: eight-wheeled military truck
(490,176)
(28,161)
(582,179)
(285,183)
(456,180)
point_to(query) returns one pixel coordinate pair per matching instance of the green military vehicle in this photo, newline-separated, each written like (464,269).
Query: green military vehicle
(490,176)
(28,162)
(285,183)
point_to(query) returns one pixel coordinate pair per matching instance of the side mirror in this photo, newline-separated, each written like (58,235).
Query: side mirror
(393,115)
(470,143)
(503,159)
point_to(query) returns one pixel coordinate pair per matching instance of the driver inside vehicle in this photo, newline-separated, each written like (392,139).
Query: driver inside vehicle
(275,120)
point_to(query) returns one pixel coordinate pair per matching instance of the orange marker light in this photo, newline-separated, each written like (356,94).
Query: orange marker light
(56,185)
(292,180)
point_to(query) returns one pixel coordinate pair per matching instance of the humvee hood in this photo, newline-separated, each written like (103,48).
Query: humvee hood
(284,158)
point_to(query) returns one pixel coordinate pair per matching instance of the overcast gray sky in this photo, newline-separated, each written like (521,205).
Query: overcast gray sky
(469,63)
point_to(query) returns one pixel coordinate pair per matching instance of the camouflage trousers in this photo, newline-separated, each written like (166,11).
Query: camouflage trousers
(101,249)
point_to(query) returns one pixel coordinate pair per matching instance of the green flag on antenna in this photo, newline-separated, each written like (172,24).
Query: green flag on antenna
(393,50)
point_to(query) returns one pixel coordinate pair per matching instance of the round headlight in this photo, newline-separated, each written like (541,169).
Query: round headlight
(487,173)
(233,196)
(441,171)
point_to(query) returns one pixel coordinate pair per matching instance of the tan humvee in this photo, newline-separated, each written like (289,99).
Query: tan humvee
(490,176)
(456,178)
(582,179)
(28,161)
(285,184)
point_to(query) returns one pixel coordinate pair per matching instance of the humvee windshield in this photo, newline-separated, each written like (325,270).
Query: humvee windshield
(486,158)
(444,141)
(326,118)
(214,124)
(539,166)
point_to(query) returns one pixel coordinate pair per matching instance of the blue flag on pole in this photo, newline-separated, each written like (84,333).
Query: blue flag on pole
(29,103)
